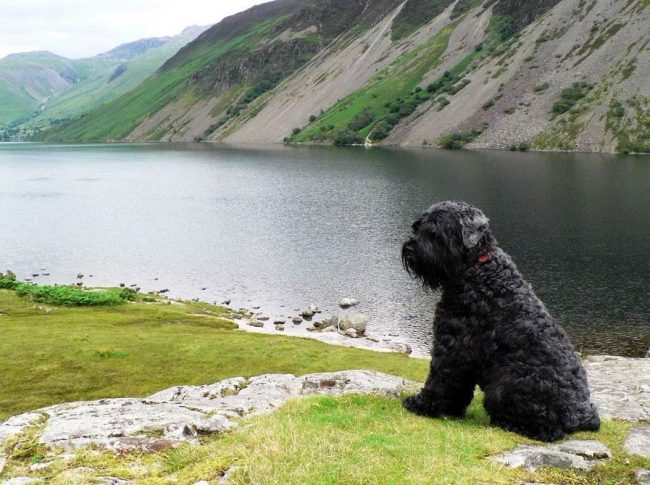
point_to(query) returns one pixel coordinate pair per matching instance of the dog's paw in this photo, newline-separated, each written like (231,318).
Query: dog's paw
(419,405)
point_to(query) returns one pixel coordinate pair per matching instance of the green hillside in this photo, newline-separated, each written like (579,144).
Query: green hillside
(41,89)
(114,82)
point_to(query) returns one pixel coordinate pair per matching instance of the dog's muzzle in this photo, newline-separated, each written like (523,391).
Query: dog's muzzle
(408,255)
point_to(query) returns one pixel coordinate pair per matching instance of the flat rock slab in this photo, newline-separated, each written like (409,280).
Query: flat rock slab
(576,454)
(638,443)
(643,477)
(620,386)
(181,414)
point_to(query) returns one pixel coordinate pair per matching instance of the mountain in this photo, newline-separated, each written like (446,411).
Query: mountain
(546,74)
(38,89)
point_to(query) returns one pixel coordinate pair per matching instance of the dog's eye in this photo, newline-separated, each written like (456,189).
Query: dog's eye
(416,226)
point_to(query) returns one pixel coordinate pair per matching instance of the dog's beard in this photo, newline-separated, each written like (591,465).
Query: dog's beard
(419,262)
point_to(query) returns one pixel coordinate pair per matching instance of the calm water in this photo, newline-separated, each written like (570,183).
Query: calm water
(282,227)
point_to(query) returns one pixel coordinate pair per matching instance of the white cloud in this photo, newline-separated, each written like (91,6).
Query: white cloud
(83,28)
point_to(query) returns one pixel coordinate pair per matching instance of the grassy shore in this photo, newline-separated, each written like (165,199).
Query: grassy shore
(52,354)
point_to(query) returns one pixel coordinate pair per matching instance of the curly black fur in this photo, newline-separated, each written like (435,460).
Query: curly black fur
(491,330)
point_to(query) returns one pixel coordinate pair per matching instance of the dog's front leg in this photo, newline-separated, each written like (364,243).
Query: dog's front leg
(449,389)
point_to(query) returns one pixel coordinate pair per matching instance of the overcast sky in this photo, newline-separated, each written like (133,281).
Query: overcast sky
(83,28)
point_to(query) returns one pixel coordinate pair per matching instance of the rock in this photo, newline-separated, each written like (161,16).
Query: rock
(21,481)
(393,334)
(313,308)
(14,425)
(279,321)
(356,321)
(400,347)
(350,332)
(575,454)
(280,328)
(638,443)
(263,318)
(182,414)
(296,320)
(163,291)
(588,449)
(43,465)
(124,424)
(114,481)
(228,475)
(348,302)
(620,387)
(79,275)
(307,314)
(327,322)
(642,477)
(256,324)
(226,302)
(328,329)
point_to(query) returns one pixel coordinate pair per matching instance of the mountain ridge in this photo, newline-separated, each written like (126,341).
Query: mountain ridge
(39,88)
(547,74)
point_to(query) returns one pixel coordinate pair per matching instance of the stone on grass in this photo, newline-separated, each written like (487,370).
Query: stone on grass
(588,449)
(43,465)
(21,481)
(575,454)
(356,321)
(228,475)
(114,481)
(642,477)
(620,387)
(638,443)
(181,414)
(16,424)
(401,347)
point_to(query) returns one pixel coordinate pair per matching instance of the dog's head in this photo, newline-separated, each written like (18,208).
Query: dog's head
(448,237)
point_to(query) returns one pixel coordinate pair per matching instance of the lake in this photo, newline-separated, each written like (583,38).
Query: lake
(284,227)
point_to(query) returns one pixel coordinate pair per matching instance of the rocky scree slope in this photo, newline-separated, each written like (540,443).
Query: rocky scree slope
(546,74)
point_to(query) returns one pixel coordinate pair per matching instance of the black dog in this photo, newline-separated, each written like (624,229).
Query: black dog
(492,331)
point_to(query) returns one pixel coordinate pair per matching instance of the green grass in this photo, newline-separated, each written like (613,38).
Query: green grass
(58,354)
(92,352)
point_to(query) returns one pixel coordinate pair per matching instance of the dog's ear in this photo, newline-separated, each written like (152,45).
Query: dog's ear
(473,227)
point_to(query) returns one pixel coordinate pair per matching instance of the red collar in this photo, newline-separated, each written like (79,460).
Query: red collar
(485,257)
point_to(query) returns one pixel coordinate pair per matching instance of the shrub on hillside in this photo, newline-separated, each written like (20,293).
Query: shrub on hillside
(347,137)
(570,96)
